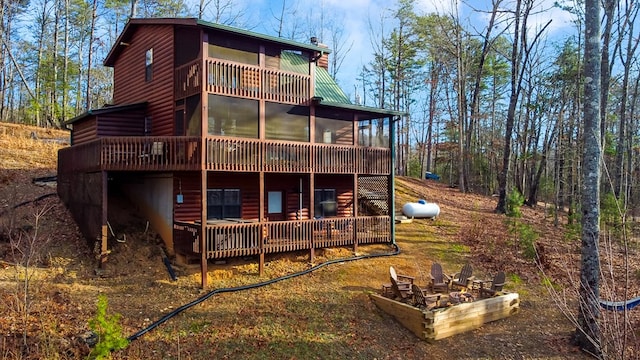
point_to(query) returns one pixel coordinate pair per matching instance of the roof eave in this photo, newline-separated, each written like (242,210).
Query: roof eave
(362,109)
(106,110)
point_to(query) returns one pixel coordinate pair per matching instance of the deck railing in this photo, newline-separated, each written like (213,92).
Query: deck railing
(153,153)
(133,153)
(228,154)
(243,80)
(243,239)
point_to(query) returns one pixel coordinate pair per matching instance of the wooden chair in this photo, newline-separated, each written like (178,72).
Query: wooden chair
(463,279)
(496,285)
(403,282)
(400,292)
(439,281)
(424,301)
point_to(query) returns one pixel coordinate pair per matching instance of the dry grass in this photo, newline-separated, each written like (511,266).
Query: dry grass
(323,315)
(26,147)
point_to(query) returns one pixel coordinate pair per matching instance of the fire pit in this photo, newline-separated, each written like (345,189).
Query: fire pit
(460,297)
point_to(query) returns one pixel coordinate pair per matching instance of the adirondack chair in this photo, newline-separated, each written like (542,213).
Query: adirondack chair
(439,281)
(401,279)
(422,300)
(496,285)
(403,282)
(463,279)
(400,292)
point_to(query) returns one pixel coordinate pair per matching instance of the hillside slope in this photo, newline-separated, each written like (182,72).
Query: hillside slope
(324,315)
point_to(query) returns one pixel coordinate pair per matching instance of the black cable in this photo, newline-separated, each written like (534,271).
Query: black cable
(251,286)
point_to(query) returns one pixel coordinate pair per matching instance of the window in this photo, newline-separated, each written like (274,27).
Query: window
(148,73)
(274,203)
(333,128)
(223,203)
(230,116)
(325,203)
(286,122)
(374,133)
(232,49)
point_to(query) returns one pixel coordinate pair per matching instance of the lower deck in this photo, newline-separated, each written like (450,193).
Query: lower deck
(236,237)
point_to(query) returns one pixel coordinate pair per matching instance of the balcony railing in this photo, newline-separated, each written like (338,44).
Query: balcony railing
(135,153)
(222,154)
(242,239)
(243,80)
(228,154)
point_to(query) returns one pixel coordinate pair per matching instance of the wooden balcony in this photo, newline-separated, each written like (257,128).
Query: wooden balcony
(222,154)
(228,154)
(242,80)
(134,153)
(229,238)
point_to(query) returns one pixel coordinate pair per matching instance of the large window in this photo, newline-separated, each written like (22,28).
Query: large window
(230,116)
(233,49)
(223,203)
(193,116)
(374,133)
(325,202)
(286,122)
(333,128)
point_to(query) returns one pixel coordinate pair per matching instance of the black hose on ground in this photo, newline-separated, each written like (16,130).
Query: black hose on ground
(30,201)
(251,286)
(167,263)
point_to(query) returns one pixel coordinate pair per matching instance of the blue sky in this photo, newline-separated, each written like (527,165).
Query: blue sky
(360,20)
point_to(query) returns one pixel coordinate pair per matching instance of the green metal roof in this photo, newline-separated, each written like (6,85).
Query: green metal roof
(293,62)
(107,109)
(328,89)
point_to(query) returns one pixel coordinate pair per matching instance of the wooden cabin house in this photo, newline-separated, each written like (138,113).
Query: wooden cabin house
(230,143)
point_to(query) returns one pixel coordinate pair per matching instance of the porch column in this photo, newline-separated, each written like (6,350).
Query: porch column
(391,177)
(104,230)
(204,130)
(355,213)
(203,228)
(261,221)
(312,215)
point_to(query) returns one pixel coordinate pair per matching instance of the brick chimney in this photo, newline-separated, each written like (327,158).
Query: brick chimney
(323,58)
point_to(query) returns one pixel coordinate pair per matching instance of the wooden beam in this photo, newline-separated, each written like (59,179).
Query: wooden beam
(203,228)
(104,233)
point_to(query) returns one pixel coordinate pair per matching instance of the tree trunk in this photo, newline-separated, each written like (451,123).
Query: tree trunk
(587,335)
(94,15)
(516,55)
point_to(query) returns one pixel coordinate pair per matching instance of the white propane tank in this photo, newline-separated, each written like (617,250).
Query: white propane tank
(421,209)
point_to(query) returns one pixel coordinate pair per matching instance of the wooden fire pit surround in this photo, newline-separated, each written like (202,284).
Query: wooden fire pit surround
(448,319)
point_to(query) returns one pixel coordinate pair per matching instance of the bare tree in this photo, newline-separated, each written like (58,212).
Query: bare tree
(587,334)
(520,52)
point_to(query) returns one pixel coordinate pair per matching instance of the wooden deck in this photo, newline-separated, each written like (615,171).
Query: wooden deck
(119,153)
(231,239)
(242,80)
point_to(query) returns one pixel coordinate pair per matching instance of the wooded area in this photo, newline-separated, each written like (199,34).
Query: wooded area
(491,106)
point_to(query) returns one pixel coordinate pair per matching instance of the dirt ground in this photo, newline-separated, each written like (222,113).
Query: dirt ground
(326,314)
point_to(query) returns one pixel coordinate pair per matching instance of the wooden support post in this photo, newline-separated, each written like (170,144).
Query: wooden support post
(104,250)
(204,129)
(263,219)
(104,234)
(312,214)
(261,264)
(355,213)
